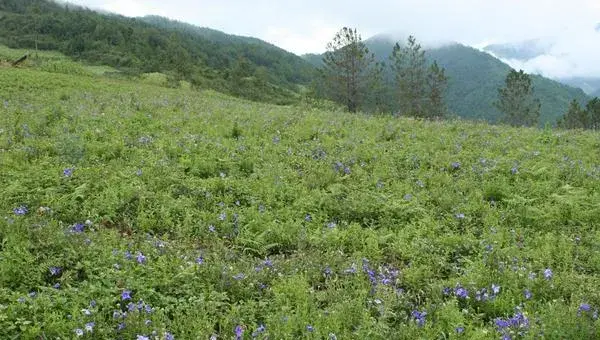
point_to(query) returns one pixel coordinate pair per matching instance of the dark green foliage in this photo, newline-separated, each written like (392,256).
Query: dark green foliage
(420,89)
(516,100)
(346,68)
(575,118)
(204,57)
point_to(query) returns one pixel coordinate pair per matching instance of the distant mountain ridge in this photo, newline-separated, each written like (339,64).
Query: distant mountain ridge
(474,79)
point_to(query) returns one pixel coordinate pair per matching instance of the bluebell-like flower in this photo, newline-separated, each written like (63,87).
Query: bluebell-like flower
(460,330)
(455,165)
(89,327)
(583,308)
(408,197)
(200,260)
(56,286)
(79,332)
(147,322)
(138,172)
(222,216)
(261,329)
(55,270)
(239,276)
(460,216)
(211,228)
(461,292)
(142,337)
(268,263)
(501,323)
(68,172)
(141,258)
(548,273)
(239,332)
(169,336)
(86,312)
(527,294)
(495,289)
(21,210)
(21,300)
(308,218)
(331,225)
(126,295)
(419,317)
(310,328)
(121,326)
(128,255)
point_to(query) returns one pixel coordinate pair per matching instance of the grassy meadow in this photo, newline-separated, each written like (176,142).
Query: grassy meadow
(135,211)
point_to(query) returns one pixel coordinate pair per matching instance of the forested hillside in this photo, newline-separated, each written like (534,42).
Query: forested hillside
(241,66)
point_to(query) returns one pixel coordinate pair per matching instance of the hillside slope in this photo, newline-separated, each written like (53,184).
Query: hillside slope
(243,66)
(131,210)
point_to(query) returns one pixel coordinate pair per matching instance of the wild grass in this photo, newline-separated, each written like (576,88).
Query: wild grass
(132,210)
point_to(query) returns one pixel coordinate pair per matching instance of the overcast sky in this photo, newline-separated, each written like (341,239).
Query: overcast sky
(570,26)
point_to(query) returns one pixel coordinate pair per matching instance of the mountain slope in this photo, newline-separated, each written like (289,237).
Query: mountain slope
(243,66)
(474,79)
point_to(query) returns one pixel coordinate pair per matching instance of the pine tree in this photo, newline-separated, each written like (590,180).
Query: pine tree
(516,100)
(575,118)
(436,85)
(409,66)
(420,89)
(346,68)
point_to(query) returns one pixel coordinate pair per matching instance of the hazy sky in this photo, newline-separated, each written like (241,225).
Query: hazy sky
(571,26)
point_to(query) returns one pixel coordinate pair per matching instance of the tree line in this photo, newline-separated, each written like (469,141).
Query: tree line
(351,76)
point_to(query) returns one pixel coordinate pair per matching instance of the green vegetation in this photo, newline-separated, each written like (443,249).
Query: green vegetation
(579,118)
(517,102)
(473,81)
(206,58)
(130,209)
(347,69)
(420,90)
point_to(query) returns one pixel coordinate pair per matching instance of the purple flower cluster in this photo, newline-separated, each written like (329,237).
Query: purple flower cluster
(419,317)
(518,324)
(21,210)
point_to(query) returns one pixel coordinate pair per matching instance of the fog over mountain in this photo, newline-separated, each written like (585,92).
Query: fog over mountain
(566,34)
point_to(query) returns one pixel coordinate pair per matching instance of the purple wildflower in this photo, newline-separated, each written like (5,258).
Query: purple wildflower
(239,332)
(55,270)
(68,172)
(142,337)
(89,327)
(86,312)
(141,259)
(310,328)
(169,336)
(419,317)
(527,294)
(21,210)
(461,292)
(548,273)
(121,326)
(460,330)
(78,228)
(79,332)
(584,307)
(495,289)
(308,218)
(200,260)
(126,295)
(239,276)
(211,228)
(455,165)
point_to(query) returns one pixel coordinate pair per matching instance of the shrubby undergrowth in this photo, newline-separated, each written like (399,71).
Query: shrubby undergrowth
(131,211)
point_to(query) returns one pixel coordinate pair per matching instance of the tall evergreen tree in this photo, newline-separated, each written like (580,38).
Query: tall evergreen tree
(420,89)
(516,100)
(409,66)
(436,85)
(346,68)
(575,118)
(593,113)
